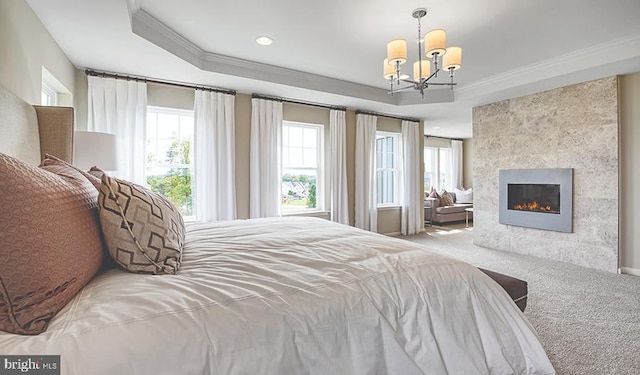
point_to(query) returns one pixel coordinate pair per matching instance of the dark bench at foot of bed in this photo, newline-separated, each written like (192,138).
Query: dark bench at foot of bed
(516,288)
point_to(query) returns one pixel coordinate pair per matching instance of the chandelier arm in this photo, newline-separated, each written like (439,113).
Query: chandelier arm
(409,81)
(442,83)
(400,89)
(434,74)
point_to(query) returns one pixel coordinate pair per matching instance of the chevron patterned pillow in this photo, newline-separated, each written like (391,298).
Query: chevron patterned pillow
(144,231)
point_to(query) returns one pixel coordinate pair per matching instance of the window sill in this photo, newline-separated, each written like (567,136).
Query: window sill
(320,214)
(389,207)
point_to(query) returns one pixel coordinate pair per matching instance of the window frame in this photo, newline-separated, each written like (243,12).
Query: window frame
(48,95)
(396,168)
(437,168)
(174,112)
(319,169)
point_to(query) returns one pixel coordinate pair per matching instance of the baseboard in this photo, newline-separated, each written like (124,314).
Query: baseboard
(630,271)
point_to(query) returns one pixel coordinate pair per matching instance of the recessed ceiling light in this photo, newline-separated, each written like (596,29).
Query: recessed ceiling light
(264,40)
(435,128)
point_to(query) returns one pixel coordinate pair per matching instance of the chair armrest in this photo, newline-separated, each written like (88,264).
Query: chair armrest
(430,205)
(431,202)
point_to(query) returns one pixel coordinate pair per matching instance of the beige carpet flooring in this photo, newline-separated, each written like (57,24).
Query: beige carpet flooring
(588,321)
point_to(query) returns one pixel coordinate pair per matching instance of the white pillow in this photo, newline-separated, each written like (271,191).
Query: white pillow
(464,196)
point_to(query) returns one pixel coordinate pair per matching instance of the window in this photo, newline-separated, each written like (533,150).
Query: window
(169,164)
(302,167)
(437,168)
(53,92)
(387,168)
(48,95)
(444,156)
(430,168)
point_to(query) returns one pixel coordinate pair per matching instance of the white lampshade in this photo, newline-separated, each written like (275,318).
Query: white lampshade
(435,41)
(452,59)
(95,149)
(397,51)
(389,70)
(426,70)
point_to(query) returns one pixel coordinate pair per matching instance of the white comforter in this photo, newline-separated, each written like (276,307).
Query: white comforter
(292,296)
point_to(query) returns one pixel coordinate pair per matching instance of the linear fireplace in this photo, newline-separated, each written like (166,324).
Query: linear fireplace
(537,198)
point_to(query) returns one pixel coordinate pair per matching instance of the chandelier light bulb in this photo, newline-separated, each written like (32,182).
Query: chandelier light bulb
(389,70)
(397,51)
(452,60)
(426,70)
(435,43)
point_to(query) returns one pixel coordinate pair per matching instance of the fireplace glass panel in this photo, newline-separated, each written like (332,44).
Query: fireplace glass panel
(543,198)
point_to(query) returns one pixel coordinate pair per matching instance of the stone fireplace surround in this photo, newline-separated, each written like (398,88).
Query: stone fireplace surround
(570,127)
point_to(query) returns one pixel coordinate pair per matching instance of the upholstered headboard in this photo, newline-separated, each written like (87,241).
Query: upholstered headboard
(27,132)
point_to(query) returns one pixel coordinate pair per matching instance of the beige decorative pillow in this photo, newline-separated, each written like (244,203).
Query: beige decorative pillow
(50,161)
(445,198)
(50,244)
(143,230)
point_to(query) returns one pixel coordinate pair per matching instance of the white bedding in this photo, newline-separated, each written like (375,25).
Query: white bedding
(292,296)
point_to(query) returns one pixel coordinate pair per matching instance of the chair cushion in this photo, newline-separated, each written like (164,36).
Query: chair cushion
(456,208)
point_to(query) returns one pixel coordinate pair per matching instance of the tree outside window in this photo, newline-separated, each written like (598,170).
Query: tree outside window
(169,166)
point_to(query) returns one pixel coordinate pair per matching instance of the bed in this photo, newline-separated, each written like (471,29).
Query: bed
(279,296)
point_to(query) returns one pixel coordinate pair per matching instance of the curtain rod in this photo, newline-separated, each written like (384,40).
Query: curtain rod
(90,72)
(311,104)
(451,139)
(388,116)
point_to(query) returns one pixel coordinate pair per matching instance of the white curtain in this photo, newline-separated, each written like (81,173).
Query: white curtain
(214,156)
(456,164)
(265,158)
(411,198)
(119,107)
(365,194)
(338,166)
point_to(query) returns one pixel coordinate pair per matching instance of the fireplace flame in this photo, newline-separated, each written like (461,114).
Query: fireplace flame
(532,206)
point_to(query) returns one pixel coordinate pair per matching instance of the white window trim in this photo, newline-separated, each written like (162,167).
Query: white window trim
(320,171)
(50,93)
(396,137)
(55,91)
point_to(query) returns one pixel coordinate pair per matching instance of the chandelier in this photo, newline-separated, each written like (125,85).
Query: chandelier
(435,49)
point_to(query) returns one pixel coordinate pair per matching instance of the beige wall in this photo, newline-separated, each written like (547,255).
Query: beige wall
(388,218)
(629,93)
(243,141)
(571,127)
(25,47)
(170,96)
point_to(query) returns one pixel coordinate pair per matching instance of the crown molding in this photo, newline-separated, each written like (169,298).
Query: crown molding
(133,6)
(153,30)
(591,58)
(588,63)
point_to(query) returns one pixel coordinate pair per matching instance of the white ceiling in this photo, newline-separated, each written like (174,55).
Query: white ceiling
(331,51)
